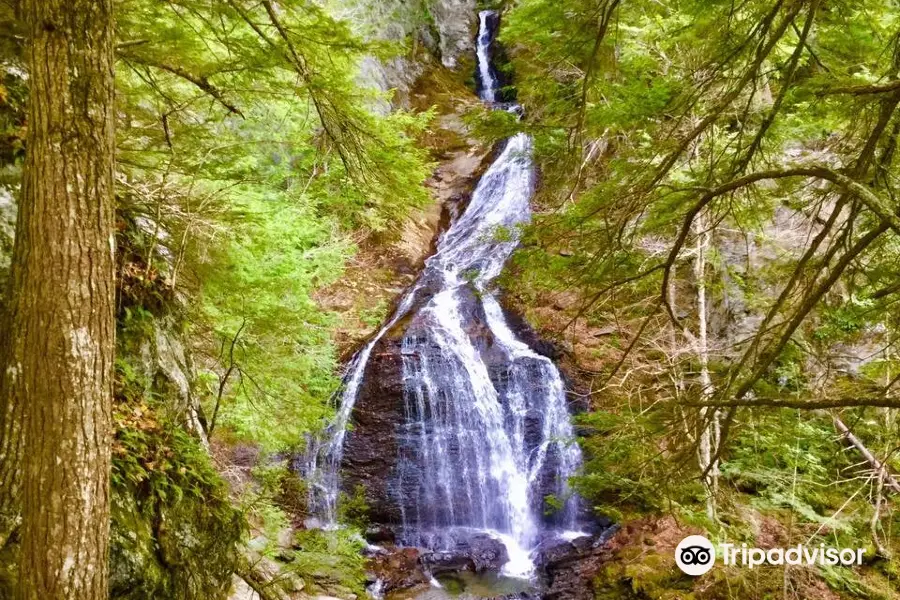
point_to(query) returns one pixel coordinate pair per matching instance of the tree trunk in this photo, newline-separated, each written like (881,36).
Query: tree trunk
(709,417)
(60,347)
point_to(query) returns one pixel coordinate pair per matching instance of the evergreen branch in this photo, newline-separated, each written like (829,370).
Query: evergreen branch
(782,94)
(871,200)
(762,52)
(200,81)
(809,302)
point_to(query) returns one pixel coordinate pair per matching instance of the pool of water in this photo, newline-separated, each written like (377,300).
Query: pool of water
(464,585)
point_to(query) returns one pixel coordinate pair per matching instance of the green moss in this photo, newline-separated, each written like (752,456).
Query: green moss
(641,574)
(174,532)
(330,562)
(353,508)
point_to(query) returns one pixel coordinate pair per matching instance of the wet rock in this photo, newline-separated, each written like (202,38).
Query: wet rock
(569,567)
(382,455)
(527,334)
(462,551)
(397,569)
(370,448)
(380,534)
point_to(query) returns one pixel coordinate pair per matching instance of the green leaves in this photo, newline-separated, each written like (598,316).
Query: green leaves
(265,277)
(246,134)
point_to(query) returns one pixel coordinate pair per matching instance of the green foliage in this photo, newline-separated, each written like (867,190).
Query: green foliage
(258,295)
(330,560)
(375,315)
(659,136)
(248,142)
(13,95)
(160,460)
(790,461)
(273,85)
(624,476)
(353,508)
(553,504)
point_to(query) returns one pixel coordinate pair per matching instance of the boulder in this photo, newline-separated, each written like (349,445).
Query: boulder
(569,567)
(463,550)
(397,569)
(380,534)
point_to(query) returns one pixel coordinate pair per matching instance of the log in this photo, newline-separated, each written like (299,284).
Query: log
(889,480)
(259,580)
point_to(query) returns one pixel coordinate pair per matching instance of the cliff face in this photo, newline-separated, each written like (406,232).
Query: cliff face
(370,448)
(380,457)
(455,22)
(439,29)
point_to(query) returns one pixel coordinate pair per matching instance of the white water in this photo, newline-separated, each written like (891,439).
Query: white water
(482,51)
(324,459)
(486,431)
(569,535)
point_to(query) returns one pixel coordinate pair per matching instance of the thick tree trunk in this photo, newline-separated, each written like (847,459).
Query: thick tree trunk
(60,347)
(12,419)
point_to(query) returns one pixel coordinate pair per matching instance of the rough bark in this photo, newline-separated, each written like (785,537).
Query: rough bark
(58,366)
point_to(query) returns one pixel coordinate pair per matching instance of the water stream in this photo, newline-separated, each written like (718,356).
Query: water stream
(486,432)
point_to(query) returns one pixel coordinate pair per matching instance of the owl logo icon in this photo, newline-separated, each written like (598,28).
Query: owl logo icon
(695,555)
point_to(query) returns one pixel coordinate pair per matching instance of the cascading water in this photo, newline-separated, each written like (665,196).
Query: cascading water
(486,430)
(486,30)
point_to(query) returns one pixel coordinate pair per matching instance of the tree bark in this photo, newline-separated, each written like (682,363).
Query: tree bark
(878,467)
(60,348)
(708,438)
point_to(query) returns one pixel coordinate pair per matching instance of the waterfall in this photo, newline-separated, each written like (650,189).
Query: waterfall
(486,417)
(324,455)
(486,430)
(486,31)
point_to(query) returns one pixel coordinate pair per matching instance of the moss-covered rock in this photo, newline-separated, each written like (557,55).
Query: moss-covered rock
(174,532)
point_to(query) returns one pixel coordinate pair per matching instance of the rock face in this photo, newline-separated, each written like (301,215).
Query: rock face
(570,567)
(374,450)
(440,29)
(169,370)
(452,420)
(185,551)
(566,568)
(455,22)
(370,448)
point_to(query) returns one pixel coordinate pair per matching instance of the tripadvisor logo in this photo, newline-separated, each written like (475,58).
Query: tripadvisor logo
(695,555)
